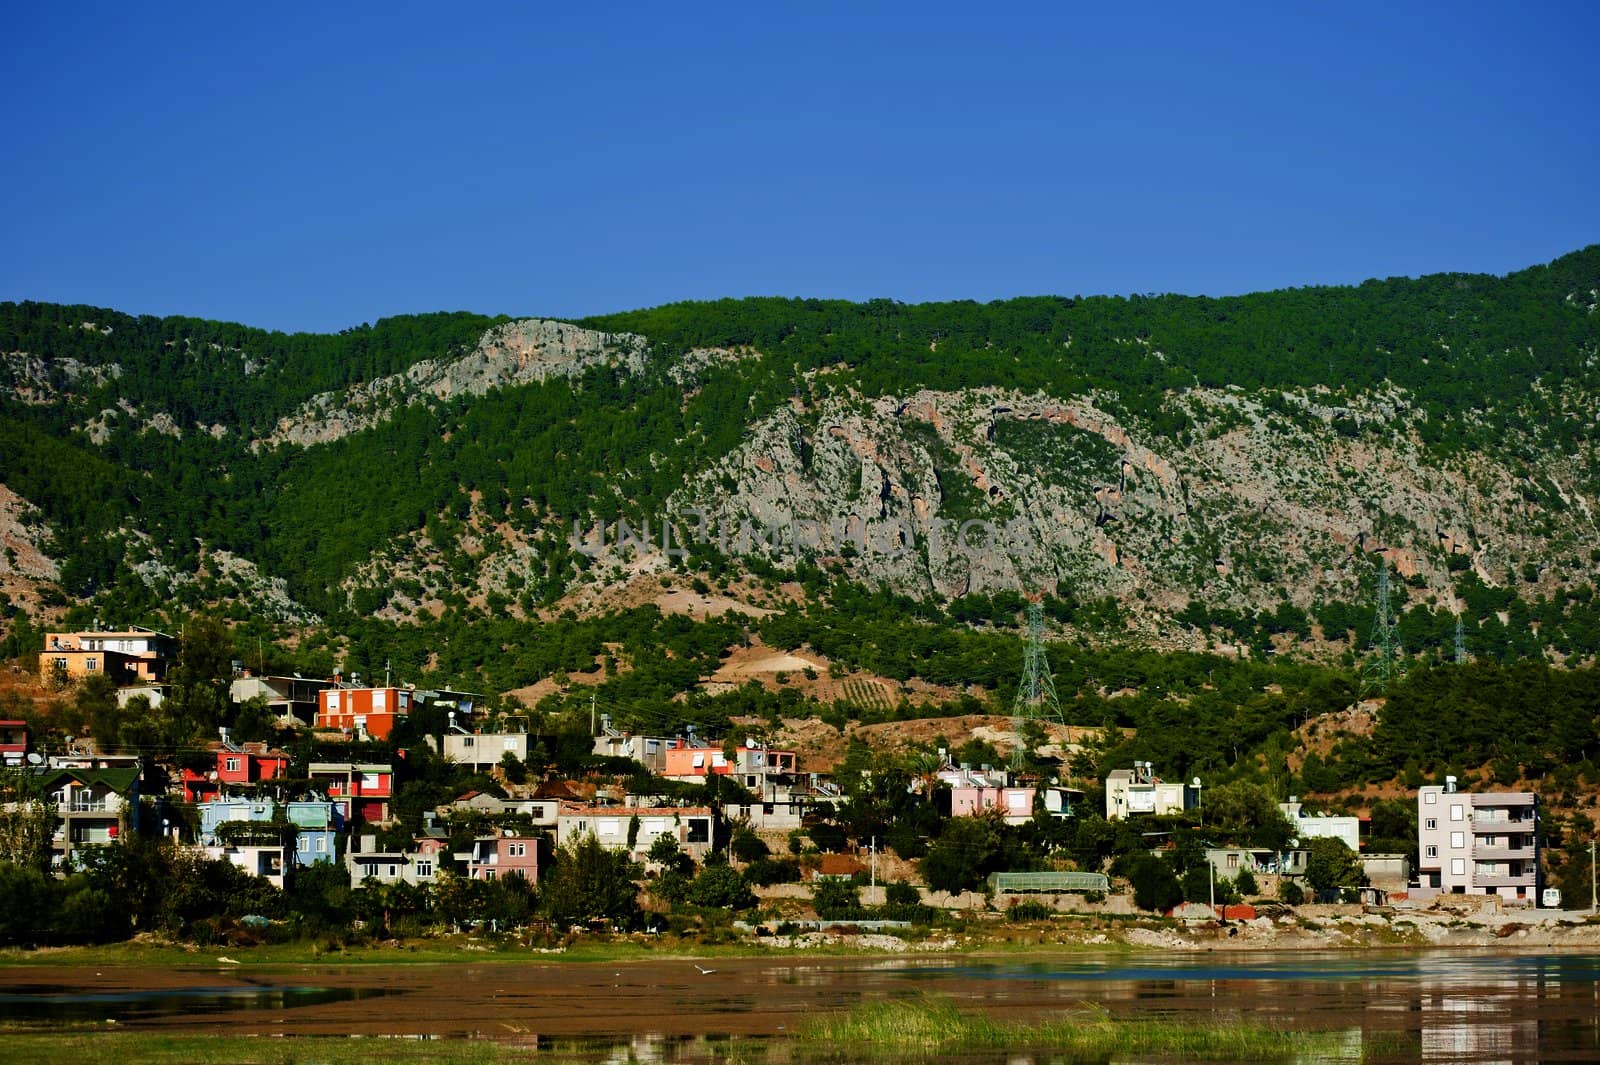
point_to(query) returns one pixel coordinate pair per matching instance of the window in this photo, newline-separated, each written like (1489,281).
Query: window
(511,743)
(1458,867)
(1233,861)
(1430,798)
(1430,851)
(1431,823)
(424,867)
(1458,840)
(91,664)
(466,741)
(231,765)
(516,850)
(699,759)
(1456,812)
(322,845)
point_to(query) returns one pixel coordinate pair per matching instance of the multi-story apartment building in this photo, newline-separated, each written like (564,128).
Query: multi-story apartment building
(1484,843)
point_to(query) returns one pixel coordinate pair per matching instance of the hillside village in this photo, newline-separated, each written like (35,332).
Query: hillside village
(414,809)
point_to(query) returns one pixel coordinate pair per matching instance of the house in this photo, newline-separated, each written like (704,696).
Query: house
(1389,873)
(504,854)
(1061,801)
(635,828)
(93,807)
(420,865)
(128,656)
(239,765)
(15,742)
(648,751)
(370,712)
(361,790)
(1229,862)
(484,750)
(778,814)
(153,694)
(1484,843)
(1322,826)
(263,843)
(538,811)
(1140,791)
(754,766)
(287,698)
(979,791)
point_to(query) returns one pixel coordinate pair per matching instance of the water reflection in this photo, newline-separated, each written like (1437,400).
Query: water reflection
(45,1006)
(1366,1007)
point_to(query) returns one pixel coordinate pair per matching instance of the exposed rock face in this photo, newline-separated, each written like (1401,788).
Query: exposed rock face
(511,354)
(24,567)
(987,490)
(38,380)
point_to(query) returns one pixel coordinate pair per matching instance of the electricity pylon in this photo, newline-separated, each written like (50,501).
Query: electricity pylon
(1036,691)
(1385,640)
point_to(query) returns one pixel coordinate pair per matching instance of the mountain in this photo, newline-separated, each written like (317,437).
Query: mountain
(1177,470)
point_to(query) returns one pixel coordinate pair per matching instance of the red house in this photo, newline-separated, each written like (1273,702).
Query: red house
(13,742)
(372,711)
(362,791)
(238,764)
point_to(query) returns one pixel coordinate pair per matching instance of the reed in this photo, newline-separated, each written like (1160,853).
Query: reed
(907,1028)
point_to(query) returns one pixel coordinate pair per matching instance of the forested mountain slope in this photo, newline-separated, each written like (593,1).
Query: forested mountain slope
(1171,468)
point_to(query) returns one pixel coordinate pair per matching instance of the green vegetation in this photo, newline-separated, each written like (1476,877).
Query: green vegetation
(892,1031)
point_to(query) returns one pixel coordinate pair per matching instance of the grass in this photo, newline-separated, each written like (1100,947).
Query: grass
(157,1049)
(897,1030)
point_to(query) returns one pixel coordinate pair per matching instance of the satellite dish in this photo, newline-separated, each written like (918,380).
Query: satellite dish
(35,758)
(1295,842)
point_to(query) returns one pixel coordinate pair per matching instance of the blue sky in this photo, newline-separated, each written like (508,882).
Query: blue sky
(300,167)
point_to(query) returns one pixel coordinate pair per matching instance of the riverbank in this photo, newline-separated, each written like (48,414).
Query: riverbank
(1305,928)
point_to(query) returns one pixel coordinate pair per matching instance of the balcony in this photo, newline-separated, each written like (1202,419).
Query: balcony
(1503,853)
(1499,880)
(1487,825)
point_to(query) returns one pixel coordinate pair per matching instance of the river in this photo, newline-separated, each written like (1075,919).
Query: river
(1413,1006)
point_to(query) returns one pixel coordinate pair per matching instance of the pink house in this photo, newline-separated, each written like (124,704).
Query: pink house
(497,856)
(974,792)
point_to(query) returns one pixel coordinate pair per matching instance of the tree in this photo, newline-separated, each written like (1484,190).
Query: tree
(590,882)
(1247,812)
(836,900)
(1331,865)
(200,677)
(747,847)
(516,772)
(1155,885)
(27,821)
(27,904)
(969,849)
(721,887)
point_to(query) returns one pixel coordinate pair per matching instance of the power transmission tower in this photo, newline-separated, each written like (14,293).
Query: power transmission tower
(1036,691)
(1385,639)
(1461,643)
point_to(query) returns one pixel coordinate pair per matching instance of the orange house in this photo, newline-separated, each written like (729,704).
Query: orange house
(128,656)
(370,710)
